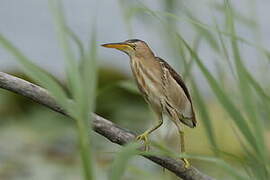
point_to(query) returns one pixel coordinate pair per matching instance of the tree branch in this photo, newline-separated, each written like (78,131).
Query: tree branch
(102,126)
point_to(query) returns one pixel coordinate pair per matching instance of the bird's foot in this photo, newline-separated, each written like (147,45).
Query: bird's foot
(186,162)
(144,137)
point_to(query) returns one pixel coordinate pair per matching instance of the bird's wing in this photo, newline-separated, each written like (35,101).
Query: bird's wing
(181,83)
(176,77)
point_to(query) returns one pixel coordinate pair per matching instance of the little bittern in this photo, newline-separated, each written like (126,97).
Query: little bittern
(161,87)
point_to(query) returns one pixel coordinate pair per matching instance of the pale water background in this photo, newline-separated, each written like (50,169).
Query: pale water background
(29,25)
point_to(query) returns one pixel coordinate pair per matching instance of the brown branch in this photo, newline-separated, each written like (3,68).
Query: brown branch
(102,126)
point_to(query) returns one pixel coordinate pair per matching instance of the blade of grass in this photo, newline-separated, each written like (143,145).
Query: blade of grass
(202,108)
(223,99)
(182,53)
(163,151)
(122,158)
(89,83)
(79,85)
(205,117)
(224,50)
(38,74)
(72,69)
(144,8)
(205,33)
(77,40)
(89,73)
(244,84)
(238,16)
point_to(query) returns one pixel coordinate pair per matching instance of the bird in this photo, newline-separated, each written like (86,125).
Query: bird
(162,88)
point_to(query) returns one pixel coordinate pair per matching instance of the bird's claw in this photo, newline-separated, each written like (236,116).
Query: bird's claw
(186,162)
(144,137)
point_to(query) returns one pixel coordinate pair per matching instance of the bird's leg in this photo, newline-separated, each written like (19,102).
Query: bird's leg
(182,142)
(182,146)
(144,136)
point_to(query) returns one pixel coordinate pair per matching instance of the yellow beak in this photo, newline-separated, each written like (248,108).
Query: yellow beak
(120,46)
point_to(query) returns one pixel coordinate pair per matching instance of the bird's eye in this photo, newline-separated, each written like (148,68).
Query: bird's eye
(133,46)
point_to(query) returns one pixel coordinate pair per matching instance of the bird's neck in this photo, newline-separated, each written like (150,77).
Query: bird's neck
(141,60)
(147,56)
(149,63)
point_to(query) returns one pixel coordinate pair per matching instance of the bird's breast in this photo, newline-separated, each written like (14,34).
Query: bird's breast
(148,80)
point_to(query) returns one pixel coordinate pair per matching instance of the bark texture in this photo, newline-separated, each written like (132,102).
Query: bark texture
(100,125)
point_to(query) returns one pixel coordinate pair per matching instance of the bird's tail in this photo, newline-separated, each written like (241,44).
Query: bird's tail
(190,122)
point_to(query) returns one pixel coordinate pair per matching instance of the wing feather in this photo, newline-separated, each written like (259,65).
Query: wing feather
(181,83)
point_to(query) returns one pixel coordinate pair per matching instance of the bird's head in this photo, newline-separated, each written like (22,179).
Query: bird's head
(132,47)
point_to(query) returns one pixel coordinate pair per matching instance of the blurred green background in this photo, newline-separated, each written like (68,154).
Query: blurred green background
(224,59)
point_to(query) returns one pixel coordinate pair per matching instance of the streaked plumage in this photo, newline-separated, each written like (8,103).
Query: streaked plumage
(160,85)
(163,88)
